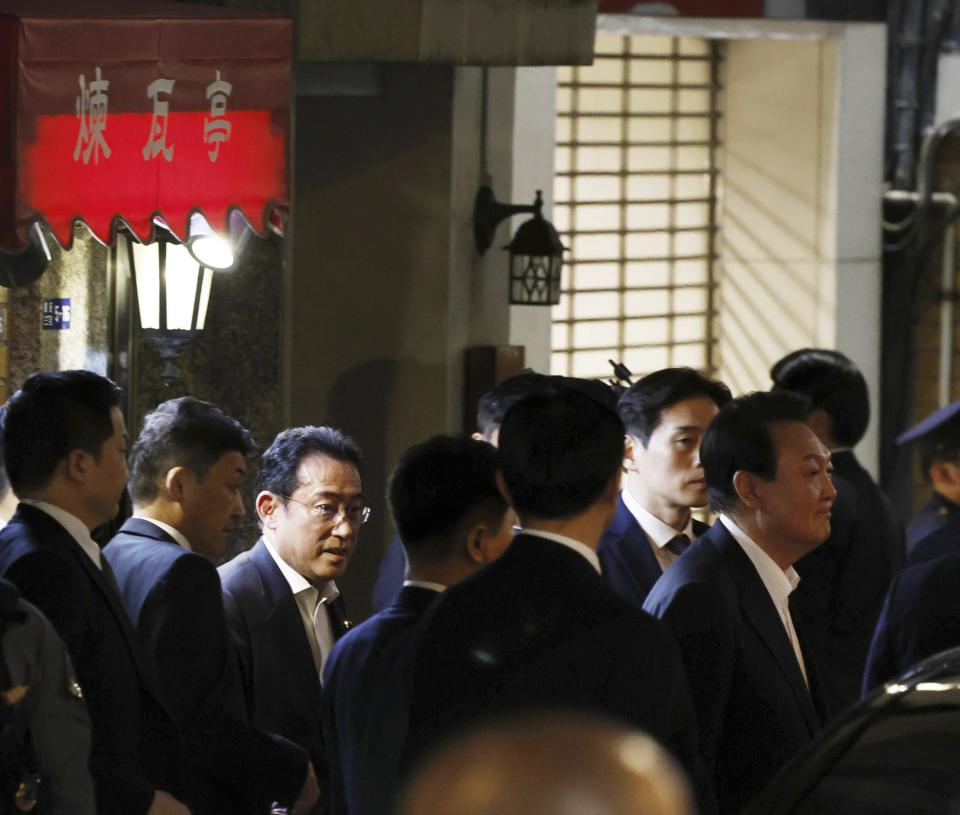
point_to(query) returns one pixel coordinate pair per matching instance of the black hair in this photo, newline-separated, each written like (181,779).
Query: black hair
(182,432)
(281,460)
(644,401)
(558,452)
(833,383)
(495,403)
(53,413)
(437,488)
(739,439)
(4,480)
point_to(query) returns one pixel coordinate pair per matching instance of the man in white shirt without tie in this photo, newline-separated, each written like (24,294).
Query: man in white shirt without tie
(282,604)
(754,684)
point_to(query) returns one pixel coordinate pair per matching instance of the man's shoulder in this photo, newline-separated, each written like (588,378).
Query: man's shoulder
(239,573)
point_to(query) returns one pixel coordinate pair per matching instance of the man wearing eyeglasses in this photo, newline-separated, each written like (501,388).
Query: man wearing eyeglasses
(282,603)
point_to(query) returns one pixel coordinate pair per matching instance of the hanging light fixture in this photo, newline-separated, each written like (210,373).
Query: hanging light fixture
(172,292)
(207,247)
(536,253)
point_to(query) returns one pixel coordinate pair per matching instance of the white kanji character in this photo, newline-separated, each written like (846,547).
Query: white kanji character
(157,142)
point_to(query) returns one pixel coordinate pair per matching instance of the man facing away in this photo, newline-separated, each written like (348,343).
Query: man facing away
(187,469)
(845,580)
(282,605)
(538,629)
(491,409)
(665,415)
(452,520)
(726,600)
(65,448)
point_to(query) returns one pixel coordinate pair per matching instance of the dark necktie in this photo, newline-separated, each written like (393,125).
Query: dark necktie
(678,544)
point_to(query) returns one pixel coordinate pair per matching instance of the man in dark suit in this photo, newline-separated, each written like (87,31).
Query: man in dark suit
(845,580)
(491,409)
(187,469)
(726,600)
(538,629)
(921,615)
(665,415)
(452,520)
(65,447)
(282,605)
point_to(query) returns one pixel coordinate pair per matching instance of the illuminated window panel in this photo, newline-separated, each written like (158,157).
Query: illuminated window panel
(634,193)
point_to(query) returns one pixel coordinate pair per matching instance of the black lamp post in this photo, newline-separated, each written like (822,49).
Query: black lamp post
(536,253)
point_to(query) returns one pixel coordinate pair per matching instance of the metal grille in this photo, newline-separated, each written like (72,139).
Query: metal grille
(634,200)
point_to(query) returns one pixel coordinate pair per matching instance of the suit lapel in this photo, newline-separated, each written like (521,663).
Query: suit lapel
(284,620)
(760,611)
(104,581)
(635,550)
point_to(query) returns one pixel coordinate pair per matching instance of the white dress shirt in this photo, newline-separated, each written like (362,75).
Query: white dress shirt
(176,534)
(311,603)
(658,533)
(78,529)
(778,582)
(570,543)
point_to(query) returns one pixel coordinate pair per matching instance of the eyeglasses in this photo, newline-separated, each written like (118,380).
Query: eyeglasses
(330,513)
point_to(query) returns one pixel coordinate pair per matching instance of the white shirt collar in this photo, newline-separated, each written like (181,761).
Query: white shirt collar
(778,582)
(78,529)
(297,582)
(570,543)
(176,534)
(425,584)
(656,530)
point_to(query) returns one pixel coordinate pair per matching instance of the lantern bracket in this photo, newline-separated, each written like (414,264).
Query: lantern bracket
(488,212)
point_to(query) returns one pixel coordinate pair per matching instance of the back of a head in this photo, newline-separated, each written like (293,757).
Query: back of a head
(642,403)
(739,439)
(558,452)
(495,403)
(550,765)
(833,383)
(280,462)
(182,432)
(440,486)
(53,413)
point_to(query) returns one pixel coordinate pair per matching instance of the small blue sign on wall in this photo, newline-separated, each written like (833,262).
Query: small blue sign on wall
(56,314)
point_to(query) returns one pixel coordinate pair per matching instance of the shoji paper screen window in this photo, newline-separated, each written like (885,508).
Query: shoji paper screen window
(634,199)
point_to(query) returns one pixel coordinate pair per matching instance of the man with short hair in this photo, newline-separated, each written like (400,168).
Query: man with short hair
(491,409)
(665,415)
(282,604)
(188,466)
(538,629)
(65,449)
(845,580)
(452,520)
(921,614)
(726,600)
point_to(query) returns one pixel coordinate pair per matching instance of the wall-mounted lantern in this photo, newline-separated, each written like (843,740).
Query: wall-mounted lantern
(536,253)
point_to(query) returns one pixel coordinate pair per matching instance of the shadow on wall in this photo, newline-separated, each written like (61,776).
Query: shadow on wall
(365,402)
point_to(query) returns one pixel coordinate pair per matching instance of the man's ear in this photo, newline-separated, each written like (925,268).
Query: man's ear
(77,466)
(632,447)
(174,482)
(746,485)
(475,539)
(267,506)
